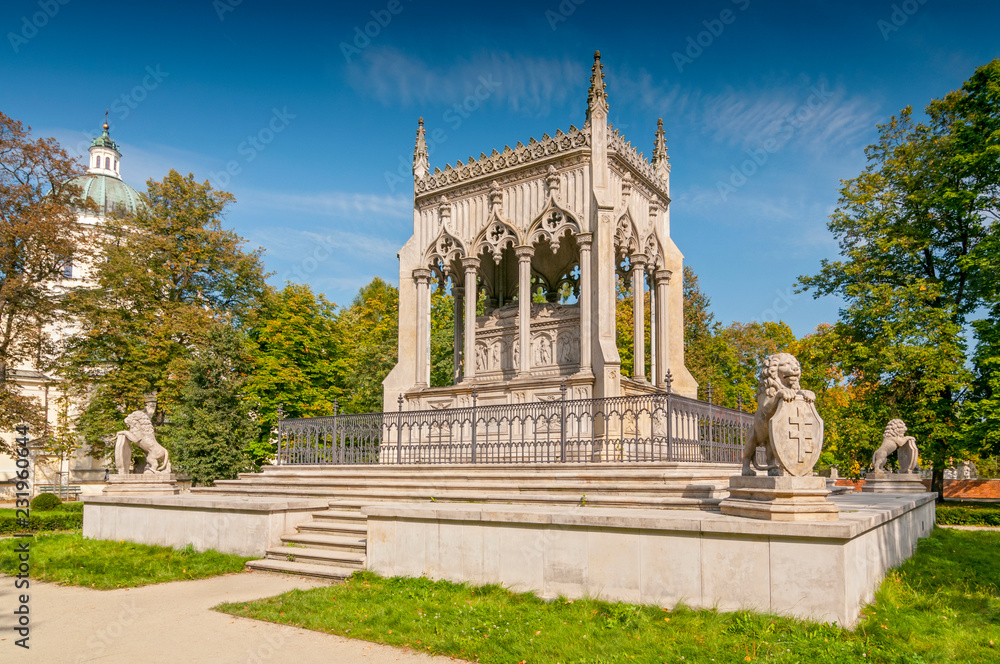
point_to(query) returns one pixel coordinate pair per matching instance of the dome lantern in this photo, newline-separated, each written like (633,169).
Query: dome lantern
(104,154)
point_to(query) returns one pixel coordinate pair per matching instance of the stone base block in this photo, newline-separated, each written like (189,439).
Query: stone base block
(782,498)
(893,483)
(142,485)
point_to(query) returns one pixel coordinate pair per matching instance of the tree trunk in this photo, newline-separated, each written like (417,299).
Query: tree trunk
(937,481)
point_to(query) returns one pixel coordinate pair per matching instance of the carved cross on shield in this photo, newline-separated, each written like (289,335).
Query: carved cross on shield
(797,435)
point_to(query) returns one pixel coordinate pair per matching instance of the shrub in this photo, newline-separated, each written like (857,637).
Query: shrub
(968,514)
(44,502)
(39,522)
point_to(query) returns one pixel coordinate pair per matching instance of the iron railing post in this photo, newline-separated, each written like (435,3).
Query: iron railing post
(281,416)
(338,450)
(562,423)
(670,416)
(475,396)
(711,429)
(399,433)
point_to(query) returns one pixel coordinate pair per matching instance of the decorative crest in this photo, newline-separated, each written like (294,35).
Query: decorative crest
(421,163)
(597,97)
(496,197)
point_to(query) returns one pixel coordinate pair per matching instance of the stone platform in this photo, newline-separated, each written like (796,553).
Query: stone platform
(132,484)
(782,498)
(893,483)
(819,570)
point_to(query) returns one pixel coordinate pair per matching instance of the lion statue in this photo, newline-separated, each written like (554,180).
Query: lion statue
(894,440)
(140,432)
(779,381)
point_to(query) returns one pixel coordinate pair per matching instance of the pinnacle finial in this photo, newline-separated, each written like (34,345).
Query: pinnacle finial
(661,160)
(105,121)
(597,97)
(421,163)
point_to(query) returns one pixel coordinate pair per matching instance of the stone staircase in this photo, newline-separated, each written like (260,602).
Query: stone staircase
(331,546)
(333,543)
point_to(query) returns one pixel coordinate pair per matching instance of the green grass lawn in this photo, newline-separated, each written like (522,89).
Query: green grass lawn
(964,513)
(941,605)
(71,559)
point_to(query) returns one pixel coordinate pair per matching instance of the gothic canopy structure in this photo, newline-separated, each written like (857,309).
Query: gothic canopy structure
(541,233)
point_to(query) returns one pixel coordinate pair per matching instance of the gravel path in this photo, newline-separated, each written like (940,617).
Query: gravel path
(172,623)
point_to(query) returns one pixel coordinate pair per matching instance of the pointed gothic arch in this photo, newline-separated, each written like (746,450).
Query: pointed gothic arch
(445,252)
(552,224)
(499,234)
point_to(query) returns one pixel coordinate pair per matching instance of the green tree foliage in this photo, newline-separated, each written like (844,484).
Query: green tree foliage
(368,334)
(212,430)
(169,274)
(38,234)
(442,338)
(915,232)
(294,342)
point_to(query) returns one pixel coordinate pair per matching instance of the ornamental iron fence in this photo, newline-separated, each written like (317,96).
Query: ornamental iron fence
(647,427)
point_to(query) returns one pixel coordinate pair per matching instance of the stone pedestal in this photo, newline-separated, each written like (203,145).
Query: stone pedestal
(893,483)
(783,498)
(142,485)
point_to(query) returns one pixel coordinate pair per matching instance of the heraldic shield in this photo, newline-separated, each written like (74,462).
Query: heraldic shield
(797,435)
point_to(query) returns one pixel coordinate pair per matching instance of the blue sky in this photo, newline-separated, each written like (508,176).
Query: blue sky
(317,123)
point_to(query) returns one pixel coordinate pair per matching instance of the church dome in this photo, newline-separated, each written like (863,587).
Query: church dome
(109,193)
(102,183)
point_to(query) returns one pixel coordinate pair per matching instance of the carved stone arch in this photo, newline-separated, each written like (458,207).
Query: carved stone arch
(445,251)
(626,235)
(654,252)
(552,224)
(498,235)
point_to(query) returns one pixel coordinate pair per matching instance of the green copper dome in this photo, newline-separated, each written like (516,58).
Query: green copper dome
(104,140)
(111,194)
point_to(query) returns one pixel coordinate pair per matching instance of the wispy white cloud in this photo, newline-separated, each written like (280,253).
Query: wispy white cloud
(331,204)
(524,84)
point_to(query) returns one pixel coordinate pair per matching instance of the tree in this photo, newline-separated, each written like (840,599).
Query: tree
(368,333)
(699,330)
(442,338)
(170,273)
(293,340)
(212,430)
(38,234)
(915,231)
(738,353)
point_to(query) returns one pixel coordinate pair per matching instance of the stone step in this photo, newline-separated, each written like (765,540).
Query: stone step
(703,496)
(540,486)
(349,547)
(303,569)
(344,516)
(320,526)
(313,556)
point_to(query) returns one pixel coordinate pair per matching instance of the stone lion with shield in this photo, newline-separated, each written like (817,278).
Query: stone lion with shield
(140,432)
(895,440)
(786,422)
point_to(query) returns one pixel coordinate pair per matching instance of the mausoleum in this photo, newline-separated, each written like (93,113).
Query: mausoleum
(540,231)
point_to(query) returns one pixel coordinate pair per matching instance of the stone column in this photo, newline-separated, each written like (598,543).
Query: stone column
(653,322)
(471,289)
(423,279)
(524,255)
(638,315)
(662,326)
(458,293)
(585,240)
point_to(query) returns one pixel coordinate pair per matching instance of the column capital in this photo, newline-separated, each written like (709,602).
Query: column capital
(470,264)
(638,259)
(524,252)
(422,275)
(457,290)
(585,240)
(663,275)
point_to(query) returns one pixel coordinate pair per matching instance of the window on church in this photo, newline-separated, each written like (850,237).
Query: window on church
(67,268)
(107,163)
(116,165)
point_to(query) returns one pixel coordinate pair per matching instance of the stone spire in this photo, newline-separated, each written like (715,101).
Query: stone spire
(661,160)
(421,164)
(597,97)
